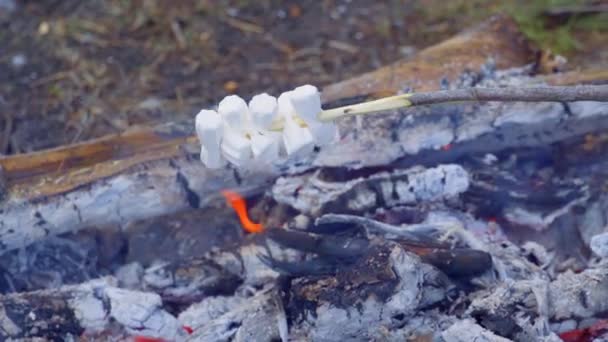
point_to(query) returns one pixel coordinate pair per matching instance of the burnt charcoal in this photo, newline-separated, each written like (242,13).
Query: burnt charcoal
(341,247)
(315,266)
(460,262)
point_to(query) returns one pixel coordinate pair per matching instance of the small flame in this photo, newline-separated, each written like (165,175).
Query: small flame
(238,204)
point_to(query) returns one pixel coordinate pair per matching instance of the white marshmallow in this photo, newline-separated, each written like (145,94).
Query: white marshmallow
(263,109)
(297,139)
(208,124)
(265,146)
(234,111)
(213,160)
(306,101)
(236,148)
(284,103)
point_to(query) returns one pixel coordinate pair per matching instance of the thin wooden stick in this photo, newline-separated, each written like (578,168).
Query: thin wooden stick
(532,94)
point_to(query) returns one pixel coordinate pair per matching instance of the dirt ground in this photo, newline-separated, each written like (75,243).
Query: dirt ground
(73,70)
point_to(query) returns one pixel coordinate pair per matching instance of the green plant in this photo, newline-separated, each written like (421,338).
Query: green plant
(558,37)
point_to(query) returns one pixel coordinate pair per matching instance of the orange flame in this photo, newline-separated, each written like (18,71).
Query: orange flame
(238,204)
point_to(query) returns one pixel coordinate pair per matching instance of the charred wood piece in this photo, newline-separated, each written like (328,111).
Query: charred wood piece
(346,251)
(216,273)
(387,287)
(89,308)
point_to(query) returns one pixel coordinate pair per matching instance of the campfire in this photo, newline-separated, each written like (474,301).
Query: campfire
(474,220)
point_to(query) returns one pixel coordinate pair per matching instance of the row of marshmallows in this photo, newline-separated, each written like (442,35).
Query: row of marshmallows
(239,133)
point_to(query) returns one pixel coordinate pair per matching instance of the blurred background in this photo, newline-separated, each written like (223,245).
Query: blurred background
(73,70)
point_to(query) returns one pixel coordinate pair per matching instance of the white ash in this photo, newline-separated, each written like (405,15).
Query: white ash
(530,304)
(467,330)
(254,270)
(425,326)
(256,319)
(248,265)
(130,275)
(584,109)
(599,244)
(209,309)
(539,253)
(431,135)
(443,181)
(142,313)
(411,185)
(581,295)
(594,220)
(97,302)
(519,113)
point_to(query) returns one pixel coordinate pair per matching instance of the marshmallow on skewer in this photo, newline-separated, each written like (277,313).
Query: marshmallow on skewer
(234,111)
(208,125)
(306,102)
(296,139)
(263,110)
(236,148)
(265,147)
